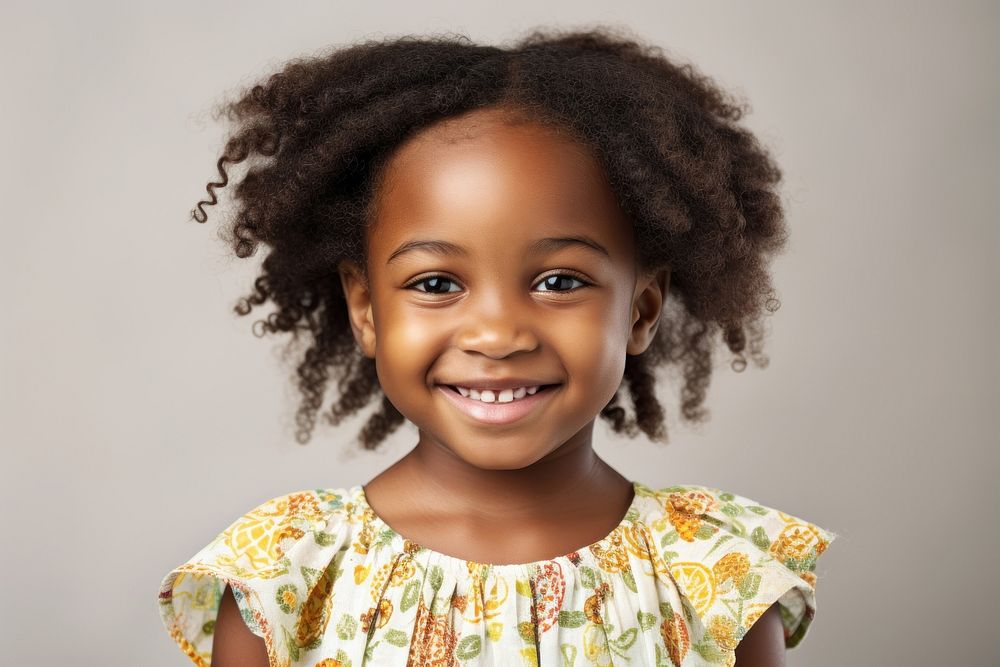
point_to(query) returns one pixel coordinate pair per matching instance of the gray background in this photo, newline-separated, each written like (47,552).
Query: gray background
(141,415)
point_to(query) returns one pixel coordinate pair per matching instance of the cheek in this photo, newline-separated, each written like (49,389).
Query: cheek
(594,346)
(404,347)
(410,332)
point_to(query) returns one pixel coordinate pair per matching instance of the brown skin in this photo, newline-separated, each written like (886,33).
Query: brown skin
(233,645)
(535,488)
(764,643)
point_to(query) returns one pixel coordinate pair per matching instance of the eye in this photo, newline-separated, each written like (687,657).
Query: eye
(552,282)
(434,284)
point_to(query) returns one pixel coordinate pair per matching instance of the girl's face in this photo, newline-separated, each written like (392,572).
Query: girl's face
(498,252)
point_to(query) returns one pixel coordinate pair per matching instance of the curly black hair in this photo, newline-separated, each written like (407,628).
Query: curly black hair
(699,189)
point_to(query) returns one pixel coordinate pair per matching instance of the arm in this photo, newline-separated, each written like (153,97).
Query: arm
(233,644)
(764,644)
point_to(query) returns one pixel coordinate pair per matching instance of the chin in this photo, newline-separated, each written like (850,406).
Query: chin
(499,458)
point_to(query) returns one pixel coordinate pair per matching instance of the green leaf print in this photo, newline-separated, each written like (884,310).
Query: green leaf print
(571,619)
(347,627)
(437,578)
(311,576)
(384,537)
(801,564)
(396,637)
(629,580)
(731,509)
(709,651)
(625,640)
(760,538)
(705,531)
(646,620)
(324,539)
(669,538)
(568,655)
(469,647)
(757,509)
(726,496)
(588,577)
(290,643)
(719,542)
(410,595)
(666,611)
(750,585)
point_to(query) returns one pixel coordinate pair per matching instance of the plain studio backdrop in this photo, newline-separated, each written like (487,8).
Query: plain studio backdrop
(141,415)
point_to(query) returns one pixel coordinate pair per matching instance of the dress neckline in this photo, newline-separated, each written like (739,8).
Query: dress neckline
(571,559)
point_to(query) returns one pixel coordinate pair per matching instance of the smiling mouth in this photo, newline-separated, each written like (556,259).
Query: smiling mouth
(465,393)
(497,412)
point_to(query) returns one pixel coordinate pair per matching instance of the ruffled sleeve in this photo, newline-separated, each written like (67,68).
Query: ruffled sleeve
(732,558)
(265,556)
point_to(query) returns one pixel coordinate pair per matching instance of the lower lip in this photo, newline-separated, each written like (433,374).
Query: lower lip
(498,413)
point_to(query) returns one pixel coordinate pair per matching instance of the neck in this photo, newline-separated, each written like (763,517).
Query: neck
(572,476)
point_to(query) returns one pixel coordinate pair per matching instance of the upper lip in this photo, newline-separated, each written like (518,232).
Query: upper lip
(497,383)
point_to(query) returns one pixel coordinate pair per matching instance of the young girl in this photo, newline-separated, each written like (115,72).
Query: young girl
(494,243)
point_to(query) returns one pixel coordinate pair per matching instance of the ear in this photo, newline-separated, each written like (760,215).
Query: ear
(357,294)
(647,305)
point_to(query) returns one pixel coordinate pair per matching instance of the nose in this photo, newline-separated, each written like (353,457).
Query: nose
(496,324)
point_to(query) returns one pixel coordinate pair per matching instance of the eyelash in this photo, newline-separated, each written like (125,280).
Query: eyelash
(574,276)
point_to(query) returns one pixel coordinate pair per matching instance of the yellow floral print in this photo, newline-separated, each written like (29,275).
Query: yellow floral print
(327,583)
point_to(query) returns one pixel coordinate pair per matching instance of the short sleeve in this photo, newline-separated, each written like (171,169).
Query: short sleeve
(734,558)
(251,556)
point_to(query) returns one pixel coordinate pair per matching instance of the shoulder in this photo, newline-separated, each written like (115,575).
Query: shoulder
(270,556)
(732,558)
(263,542)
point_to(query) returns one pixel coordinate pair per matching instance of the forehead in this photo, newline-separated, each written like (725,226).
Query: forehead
(497,175)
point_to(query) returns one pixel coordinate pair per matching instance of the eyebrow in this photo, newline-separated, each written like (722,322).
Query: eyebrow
(548,244)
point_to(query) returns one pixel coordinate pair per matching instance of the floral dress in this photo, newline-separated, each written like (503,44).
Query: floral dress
(327,583)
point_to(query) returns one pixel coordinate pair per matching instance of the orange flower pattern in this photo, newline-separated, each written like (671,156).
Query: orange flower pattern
(327,583)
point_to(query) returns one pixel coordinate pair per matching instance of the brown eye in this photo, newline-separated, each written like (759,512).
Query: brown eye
(558,282)
(434,284)
(553,282)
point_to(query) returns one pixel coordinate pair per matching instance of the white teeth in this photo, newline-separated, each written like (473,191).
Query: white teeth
(499,396)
